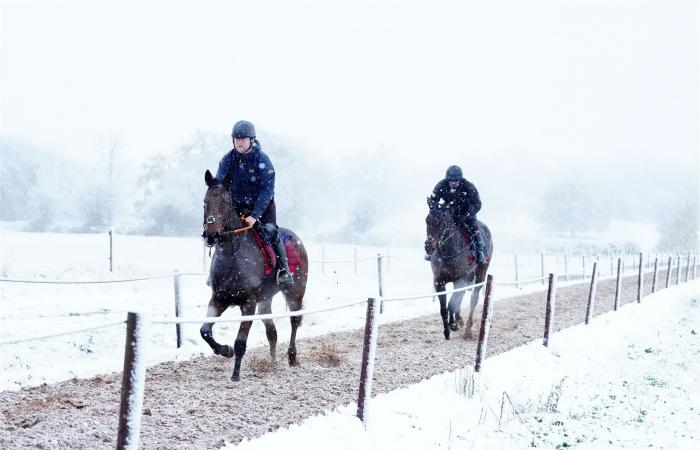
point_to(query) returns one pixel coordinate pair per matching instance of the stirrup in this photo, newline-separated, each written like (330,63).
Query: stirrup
(284,277)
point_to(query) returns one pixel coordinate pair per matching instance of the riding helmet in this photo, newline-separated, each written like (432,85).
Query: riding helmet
(454,173)
(243,129)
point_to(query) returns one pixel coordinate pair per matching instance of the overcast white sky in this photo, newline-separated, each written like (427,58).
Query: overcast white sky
(554,82)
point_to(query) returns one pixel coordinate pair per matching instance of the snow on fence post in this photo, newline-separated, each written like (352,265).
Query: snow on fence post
(591,292)
(549,313)
(133,379)
(656,275)
(687,269)
(178,308)
(566,267)
(668,272)
(380,280)
(323,259)
(367,368)
(678,271)
(485,324)
(618,284)
(542,266)
(111,255)
(354,251)
(640,278)
(515,264)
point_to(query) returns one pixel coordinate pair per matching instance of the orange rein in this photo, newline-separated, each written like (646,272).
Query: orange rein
(241,230)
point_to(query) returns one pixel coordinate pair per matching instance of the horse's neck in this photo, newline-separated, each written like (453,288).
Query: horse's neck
(452,235)
(238,244)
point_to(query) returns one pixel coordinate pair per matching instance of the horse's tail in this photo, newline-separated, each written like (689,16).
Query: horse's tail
(298,290)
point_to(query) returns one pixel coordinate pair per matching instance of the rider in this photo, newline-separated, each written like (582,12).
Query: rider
(252,188)
(460,198)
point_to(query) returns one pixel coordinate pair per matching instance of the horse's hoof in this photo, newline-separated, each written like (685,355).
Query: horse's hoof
(235,377)
(454,326)
(293,362)
(226,351)
(460,322)
(447,334)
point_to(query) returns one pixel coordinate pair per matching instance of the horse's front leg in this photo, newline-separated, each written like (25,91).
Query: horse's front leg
(265,307)
(456,304)
(472,307)
(215,309)
(439,287)
(240,344)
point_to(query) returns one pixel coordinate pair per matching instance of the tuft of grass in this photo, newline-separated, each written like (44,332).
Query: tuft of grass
(464,382)
(328,355)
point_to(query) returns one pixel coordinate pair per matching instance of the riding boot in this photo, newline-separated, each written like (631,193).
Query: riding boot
(284,276)
(478,246)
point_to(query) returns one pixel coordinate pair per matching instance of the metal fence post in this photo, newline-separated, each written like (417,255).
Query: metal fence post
(549,312)
(687,269)
(368,354)
(485,324)
(133,379)
(591,293)
(678,271)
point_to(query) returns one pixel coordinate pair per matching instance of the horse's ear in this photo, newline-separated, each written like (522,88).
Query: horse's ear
(208,177)
(227,179)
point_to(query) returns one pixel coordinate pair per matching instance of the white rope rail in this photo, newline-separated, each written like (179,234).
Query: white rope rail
(127,280)
(432,294)
(64,333)
(302,312)
(532,280)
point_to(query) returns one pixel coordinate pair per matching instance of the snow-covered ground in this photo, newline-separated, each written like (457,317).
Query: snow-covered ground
(630,379)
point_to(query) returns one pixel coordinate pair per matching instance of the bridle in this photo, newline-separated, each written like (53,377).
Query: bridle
(446,235)
(211,239)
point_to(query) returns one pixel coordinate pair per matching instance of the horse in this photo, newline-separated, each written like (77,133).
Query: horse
(237,275)
(451,263)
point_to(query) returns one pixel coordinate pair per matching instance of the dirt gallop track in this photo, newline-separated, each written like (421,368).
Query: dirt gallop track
(193,404)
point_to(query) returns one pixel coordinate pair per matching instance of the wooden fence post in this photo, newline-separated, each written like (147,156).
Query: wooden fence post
(566,267)
(111,255)
(640,278)
(591,292)
(656,275)
(549,313)
(687,269)
(133,379)
(485,324)
(178,308)
(380,280)
(367,369)
(542,266)
(668,272)
(678,271)
(618,284)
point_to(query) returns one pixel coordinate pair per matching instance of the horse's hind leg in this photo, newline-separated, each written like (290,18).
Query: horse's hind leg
(439,287)
(455,305)
(265,307)
(215,309)
(480,277)
(294,300)
(240,344)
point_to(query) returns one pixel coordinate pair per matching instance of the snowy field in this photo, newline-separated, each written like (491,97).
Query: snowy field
(630,379)
(31,309)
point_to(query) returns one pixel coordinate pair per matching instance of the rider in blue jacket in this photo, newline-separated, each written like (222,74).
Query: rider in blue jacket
(252,188)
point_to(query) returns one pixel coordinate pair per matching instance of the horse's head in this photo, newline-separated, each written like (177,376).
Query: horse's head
(435,227)
(219,212)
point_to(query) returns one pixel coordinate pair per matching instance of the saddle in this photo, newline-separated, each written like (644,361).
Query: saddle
(270,257)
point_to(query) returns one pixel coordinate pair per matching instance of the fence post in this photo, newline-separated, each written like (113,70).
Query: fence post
(542,266)
(549,313)
(687,269)
(485,324)
(381,283)
(618,284)
(354,259)
(694,266)
(133,379)
(388,260)
(640,278)
(367,368)
(612,270)
(515,265)
(110,251)
(591,293)
(566,267)
(678,271)
(656,275)
(583,267)
(178,308)
(323,259)
(668,272)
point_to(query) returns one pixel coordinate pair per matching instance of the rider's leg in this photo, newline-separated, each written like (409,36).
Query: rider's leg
(284,276)
(477,243)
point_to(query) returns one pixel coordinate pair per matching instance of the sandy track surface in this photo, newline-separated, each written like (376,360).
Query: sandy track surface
(193,404)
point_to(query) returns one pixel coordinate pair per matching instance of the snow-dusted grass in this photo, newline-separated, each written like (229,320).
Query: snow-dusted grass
(627,380)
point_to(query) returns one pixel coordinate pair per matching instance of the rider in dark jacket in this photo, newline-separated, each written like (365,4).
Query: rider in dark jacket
(252,188)
(460,198)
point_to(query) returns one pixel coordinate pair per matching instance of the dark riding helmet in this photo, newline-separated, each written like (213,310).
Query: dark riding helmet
(454,173)
(243,129)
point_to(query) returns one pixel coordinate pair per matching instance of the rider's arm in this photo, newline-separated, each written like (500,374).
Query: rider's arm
(474,200)
(267,186)
(437,195)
